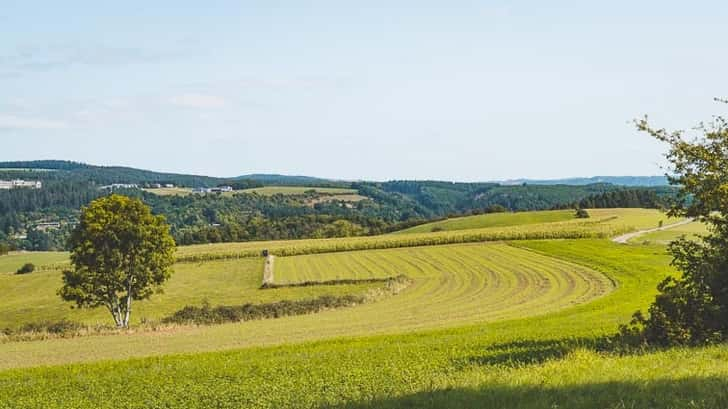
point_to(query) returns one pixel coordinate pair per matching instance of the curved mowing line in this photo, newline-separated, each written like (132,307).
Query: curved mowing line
(456,284)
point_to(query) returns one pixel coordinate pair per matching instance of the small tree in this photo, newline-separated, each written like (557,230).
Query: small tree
(693,309)
(582,214)
(120,252)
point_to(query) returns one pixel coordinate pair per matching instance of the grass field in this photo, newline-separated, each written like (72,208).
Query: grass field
(493,220)
(11,262)
(691,230)
(519,324)
(298,190)
(603,223)
(538,362)
(223,282)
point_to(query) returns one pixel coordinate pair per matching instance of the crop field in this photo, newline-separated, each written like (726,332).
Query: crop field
(298,190)
(603,223)
(493,220)
(521,323)
(545,361)
(223,282)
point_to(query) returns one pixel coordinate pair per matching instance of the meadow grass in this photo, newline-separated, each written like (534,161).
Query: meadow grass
(691,231)
(297,190)
(603,223)
(493,220)
(10,263)
(546,361)
(425,305)
(32,297)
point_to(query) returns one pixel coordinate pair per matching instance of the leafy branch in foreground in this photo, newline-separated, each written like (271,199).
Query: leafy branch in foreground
(693,309)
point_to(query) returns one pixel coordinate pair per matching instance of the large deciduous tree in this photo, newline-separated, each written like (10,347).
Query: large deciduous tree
(120,252)
(693,309)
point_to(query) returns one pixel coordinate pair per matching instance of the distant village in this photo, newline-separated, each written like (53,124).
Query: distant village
(20,184)
(197,190)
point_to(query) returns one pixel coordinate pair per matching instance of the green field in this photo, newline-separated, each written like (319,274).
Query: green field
(298,190)
(691,230)
(516,324)
(11,262)
(493,220)
(223,282)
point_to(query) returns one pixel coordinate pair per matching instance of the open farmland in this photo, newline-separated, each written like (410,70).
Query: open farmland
(603,223)
(690,230)
(298,190)
(520,324)
(493,220)
(224,282)
(532,362)
(10,263)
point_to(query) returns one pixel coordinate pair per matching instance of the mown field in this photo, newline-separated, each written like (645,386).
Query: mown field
(516,324)
(223,282)
(493,220)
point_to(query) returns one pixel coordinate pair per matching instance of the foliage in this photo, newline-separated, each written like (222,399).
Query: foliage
(26,268)
(582,214)
(693,309)
(247,312)
(653,198)
(120,252)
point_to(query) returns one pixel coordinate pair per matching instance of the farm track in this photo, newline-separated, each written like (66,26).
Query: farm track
(625,238)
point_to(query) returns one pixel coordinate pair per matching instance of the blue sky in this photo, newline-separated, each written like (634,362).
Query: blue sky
(453,90)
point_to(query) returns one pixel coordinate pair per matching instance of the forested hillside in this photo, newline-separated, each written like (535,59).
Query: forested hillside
(25,214)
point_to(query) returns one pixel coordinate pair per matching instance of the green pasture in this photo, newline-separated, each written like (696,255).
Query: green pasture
(298,190)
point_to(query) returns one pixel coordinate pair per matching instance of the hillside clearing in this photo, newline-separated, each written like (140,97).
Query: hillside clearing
(298,190)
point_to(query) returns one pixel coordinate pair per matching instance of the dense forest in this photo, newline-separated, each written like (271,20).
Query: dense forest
(67,186)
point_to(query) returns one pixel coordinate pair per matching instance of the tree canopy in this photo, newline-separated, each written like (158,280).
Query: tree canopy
(120,252)
(693,309)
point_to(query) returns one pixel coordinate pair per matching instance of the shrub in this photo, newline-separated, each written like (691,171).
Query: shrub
(26,268)
(247,312)
(582,214)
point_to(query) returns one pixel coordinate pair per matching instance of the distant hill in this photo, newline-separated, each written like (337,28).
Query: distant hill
(614,180)
(101,175)
(292,180)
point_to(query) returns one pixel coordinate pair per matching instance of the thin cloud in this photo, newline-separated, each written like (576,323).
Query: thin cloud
(200,101)
(16,122)
(49,58)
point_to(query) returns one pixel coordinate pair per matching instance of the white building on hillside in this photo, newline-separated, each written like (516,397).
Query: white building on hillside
(20,183)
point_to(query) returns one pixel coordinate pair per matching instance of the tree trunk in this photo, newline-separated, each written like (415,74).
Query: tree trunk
(128,304)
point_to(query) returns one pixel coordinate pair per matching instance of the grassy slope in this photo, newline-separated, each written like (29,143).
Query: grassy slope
(665,236)
(11,262)
(298,190)
(541,362)
(493,220)
(230,282)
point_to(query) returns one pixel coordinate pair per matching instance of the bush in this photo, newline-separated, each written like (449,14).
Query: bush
(582,214)
(248,312)
(62,327)
(26,268)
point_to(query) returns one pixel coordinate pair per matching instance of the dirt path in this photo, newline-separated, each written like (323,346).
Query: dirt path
(623,239)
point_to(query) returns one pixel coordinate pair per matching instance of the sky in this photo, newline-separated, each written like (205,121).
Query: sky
(376,90)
